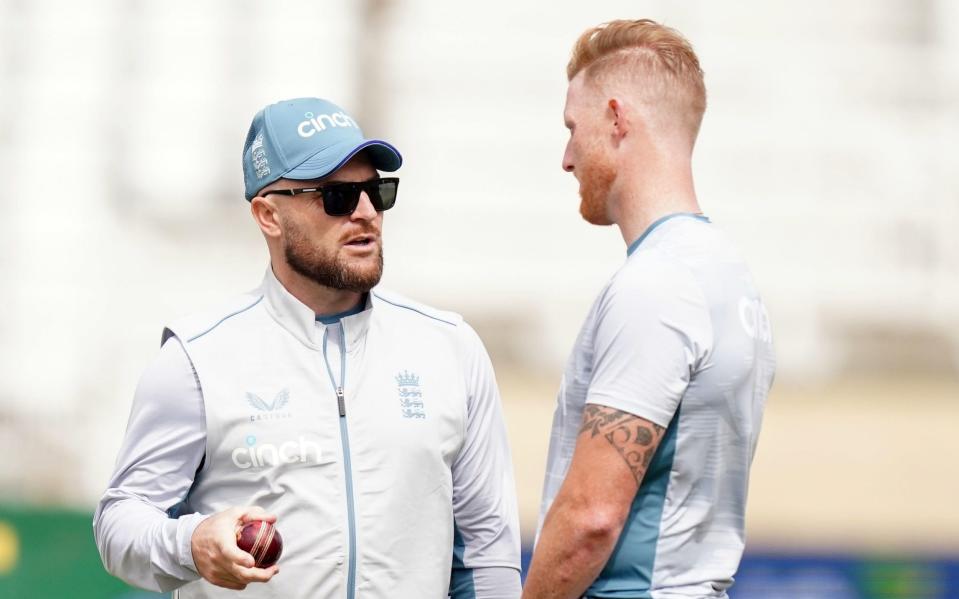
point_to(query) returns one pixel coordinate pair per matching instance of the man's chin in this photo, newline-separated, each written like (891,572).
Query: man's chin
(593,214)
(356,276)
(359,278)
(367,283)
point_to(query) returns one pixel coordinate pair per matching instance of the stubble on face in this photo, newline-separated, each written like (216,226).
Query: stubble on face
(587,157)
(596,176)
(332,269)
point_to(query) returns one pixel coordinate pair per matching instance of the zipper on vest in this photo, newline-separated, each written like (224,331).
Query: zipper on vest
(347,462)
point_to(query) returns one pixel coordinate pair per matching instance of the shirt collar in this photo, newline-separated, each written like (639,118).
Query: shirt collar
(635,245)
(297,318)
(335,318)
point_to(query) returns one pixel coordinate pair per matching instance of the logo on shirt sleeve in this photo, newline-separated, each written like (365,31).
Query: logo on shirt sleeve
(410,395)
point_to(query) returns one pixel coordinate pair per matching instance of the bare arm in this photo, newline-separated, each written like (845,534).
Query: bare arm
(613,451)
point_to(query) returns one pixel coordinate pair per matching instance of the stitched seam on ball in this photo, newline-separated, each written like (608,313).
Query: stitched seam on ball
(256,551)
(268,541)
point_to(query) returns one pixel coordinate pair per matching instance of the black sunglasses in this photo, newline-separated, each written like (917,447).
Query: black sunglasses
(341,199)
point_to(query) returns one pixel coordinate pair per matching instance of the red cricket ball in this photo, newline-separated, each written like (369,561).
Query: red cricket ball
(261,540)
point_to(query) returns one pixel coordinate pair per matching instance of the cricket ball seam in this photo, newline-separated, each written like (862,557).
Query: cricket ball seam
(264,536)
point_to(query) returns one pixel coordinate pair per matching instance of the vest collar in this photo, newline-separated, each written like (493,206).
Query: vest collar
(297,318)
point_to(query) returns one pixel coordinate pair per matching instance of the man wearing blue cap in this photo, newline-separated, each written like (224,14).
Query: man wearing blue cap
(366,426)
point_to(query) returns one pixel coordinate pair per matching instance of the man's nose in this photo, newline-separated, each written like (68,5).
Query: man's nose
(364,208)
(568,160)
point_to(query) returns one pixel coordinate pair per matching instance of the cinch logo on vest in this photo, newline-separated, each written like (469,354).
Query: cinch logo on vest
(301,451)
(313,124)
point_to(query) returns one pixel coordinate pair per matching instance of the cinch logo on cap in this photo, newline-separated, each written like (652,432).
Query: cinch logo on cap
(305,139)
(312,124)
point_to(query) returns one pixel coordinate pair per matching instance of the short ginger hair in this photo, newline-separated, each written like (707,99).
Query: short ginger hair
(657,58)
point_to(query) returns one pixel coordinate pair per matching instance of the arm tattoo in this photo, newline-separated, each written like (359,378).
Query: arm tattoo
(634,438)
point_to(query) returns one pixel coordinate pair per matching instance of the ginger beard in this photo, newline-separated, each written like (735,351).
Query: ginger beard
(331,269)
(596,176)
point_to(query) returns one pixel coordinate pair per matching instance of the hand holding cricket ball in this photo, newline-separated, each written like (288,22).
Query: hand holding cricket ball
(237,546)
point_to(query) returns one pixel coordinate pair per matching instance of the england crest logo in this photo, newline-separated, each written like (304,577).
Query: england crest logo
(410,395)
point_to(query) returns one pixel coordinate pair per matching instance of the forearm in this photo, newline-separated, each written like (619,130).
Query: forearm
(139,544)
(570,554)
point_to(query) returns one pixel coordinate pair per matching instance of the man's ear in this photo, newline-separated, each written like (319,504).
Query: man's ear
(266,215)
(621,122)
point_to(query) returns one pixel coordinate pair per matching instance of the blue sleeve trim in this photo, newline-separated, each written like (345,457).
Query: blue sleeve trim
(461,577)
(378,296)
(224,319)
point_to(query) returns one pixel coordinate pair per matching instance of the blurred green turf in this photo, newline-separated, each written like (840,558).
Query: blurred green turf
(52,556)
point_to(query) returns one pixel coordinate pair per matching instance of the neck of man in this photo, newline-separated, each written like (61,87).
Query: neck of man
(649,192)
(319,298)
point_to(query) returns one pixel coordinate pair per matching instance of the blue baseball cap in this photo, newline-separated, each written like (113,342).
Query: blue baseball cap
(306,138)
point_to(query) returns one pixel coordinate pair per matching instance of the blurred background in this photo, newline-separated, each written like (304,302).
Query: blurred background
(828,153)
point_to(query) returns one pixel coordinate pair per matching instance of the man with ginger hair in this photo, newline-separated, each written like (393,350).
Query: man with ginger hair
(662,398)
